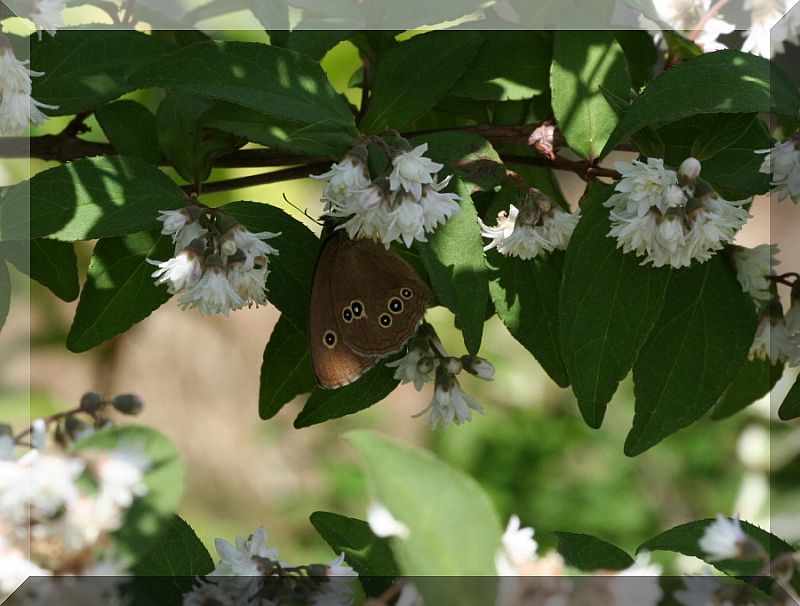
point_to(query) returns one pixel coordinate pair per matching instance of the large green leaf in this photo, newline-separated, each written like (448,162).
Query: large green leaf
(85,68)
(525,296)
(326,404)
(685,539)
(704,85)
(131,128)
(119,289)
(189,147)
(453,527)
(5,293)
(285,369)
(289,280)
(697,345)
(510,65)
(790,407)
(51,263)
(753,380)
(641,54)
(608,305)
(89,198)
(151,515)
(589,553)
(370,556)
(411,77)
(268,79)
(583,61)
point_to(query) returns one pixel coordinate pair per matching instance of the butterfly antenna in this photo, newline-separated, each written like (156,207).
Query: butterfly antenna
(302,210)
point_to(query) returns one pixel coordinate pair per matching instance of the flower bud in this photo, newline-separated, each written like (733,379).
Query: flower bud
(674,196)
(75,428)
(542,140)
(480,367)
(689,171)
(92,403)
(452,365)
(228,247)
(425,365)
(128,404)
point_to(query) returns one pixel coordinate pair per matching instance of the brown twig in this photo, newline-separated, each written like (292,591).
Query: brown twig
(710,14)
(287,174)
(47,420)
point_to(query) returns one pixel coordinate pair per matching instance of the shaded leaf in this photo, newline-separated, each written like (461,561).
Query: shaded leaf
(589,553)
(5,293)
(51,263)
(790,407)
(131,128)
(753,380)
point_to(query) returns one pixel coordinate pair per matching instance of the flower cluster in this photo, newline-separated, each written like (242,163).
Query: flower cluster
(724,539)
(688,15)
(218,265)
(17,107)
(777,337)
(783,162)
(249,572)
(538,226)
(45,14)
(772,22)
(753,266)
(669,217)
(58,507)
(426,361)
(402,205)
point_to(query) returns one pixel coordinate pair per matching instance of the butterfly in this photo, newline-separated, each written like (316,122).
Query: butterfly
(366,302)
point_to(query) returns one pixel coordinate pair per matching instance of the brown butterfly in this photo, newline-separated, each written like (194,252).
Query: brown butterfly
(366,302)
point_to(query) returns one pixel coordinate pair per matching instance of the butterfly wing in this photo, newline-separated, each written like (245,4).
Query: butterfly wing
(379,298)
(335,364)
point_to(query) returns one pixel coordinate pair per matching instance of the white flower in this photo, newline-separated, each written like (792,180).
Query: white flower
(699,591)
(685,15)
(179,225)
(411,170)
(406,223)
(206,592)
(753,265)
(254,245)
(212,294)
(642,592)
(83,522)
(713,29)
(368,212)
(7,448)
(792,319)
(437,207)
(480,367)
(724,539)
(46,15)
(241,559)
(753,447)
(38,434)
(645,184)
(180,272)
(120,473)
(515,236)
(774,343)
(17,108)
(450,404)
(348,176)
(338,590)
(764,14)
(415,367)
(15,567)
(518,548)
(558,227)
(383,524)
(783,162)
(409,596)
(249,282)
(50,482)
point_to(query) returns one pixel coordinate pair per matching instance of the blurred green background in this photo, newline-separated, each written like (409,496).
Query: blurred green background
(531,451)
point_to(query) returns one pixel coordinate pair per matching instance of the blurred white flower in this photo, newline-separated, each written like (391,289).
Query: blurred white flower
(15,567)
(7,448)
(383,524)
(338,590)
(645,591)
(699,590)
(685,15)
(450,404)
(411,170)
(47,15)
(724,539)
(17,107)
(205,593)
(120,472)
(409,596)
(518,549)
(782,161)
(764,15)
(773,342)
(752,447)
(753,265)
(241,559)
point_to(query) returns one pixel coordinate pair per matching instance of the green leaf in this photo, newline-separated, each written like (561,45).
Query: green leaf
(285,369)
(131,128)
(5,293)
(588,553)
(317,139)
(732,170)
(437,503)
(268,79)
(411,77)
(583,61)
(608,305)
(525,296)
(646,140)
(316,43)
(289,280)
(119,290)
(701,339)
(51,263)
(703,85)
(722,131)
(85,68)
(453,258)
(370,556)
(168,569)
(189,147)
(641,54)
(467,156)
(326,404)
(151,515)
(510,65)
(790,408)
(753,380)
(89,198)
(685,539)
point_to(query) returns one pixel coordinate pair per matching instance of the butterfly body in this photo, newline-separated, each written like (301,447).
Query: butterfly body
(365,304)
